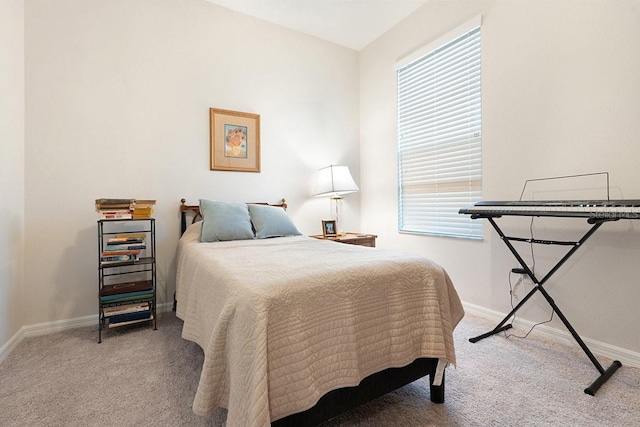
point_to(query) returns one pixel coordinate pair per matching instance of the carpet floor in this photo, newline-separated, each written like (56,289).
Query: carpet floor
(142,377)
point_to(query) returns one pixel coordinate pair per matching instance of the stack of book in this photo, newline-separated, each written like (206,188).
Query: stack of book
(127,302)
(124,208)
(115,208)
(123,248)
(142,209)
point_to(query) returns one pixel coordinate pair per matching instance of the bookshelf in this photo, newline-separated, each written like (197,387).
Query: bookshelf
(126,272)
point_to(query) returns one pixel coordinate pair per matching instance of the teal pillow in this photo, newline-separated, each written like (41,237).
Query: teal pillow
(223,221)
(271,221)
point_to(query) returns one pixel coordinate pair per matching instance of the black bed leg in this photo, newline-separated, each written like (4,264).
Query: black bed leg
(437,391)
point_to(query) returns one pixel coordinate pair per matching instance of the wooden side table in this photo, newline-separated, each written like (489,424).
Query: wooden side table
(361,239)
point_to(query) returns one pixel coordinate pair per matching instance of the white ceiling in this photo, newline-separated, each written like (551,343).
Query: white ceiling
(350,23)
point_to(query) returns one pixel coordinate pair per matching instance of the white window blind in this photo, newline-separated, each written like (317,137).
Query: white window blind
(440,135)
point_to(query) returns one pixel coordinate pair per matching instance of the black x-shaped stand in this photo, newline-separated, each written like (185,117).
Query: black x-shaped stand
(503,325)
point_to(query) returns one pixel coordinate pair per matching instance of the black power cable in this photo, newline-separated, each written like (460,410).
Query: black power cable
(511,288)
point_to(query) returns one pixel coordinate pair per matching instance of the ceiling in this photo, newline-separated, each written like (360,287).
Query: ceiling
(350,23)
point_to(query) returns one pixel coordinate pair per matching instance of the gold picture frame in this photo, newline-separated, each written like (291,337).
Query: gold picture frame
(329,228)
(235,141)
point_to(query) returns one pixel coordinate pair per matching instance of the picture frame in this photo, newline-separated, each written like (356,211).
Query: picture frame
(329,228)
(234,141)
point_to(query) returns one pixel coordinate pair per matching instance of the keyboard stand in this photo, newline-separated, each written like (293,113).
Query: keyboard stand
(503,325)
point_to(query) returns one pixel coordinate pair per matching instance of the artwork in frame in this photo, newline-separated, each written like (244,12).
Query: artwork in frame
(329,228)
(235,141)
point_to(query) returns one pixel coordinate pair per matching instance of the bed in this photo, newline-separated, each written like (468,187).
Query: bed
(296,330)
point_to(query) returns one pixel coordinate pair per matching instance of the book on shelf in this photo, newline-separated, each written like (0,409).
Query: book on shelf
(111,215)
(106,253)
(120,288)
(143,209)
(105,259)
(114,211)
(129,296)
(140,211)
(128,317)
(115,242)
(130,322)
(125,247)
(131,238)
(135,215)
(125,309)
(106,202)
(135,300)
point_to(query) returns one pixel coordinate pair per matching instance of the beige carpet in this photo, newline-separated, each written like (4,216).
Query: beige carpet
(143,377)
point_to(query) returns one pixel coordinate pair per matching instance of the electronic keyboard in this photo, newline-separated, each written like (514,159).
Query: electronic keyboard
(595,209)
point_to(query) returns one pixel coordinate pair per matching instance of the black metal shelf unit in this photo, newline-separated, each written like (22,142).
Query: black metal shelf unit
(126,289)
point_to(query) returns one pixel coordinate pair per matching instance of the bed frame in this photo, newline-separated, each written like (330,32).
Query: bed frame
(338,401)
(194,211)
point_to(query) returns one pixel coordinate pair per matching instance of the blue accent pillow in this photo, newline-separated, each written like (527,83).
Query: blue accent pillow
(223,221)
(271,221)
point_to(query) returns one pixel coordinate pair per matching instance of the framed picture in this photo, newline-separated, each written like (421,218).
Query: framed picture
(329,227)
(235,141)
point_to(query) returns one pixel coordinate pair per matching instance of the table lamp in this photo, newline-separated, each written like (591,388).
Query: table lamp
(334,181)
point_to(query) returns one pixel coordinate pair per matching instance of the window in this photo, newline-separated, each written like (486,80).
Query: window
(440,135)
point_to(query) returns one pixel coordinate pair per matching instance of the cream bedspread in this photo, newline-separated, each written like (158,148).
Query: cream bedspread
(283,321)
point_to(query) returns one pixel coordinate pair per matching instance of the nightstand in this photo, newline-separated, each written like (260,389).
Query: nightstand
(351,239)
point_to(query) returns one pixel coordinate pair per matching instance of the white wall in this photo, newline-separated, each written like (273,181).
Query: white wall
(561,95)
(117,99)
(11,166)
(117,105)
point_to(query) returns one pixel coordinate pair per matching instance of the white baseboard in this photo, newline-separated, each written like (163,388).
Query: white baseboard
(626,357)
(8,347)
(46,328)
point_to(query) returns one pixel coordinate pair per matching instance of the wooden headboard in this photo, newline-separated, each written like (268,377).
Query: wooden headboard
(194,210)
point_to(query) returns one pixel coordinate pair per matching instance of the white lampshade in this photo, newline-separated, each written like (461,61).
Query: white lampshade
(334,181)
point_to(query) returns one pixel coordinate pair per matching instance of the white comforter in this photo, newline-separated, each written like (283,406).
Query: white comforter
(283,321)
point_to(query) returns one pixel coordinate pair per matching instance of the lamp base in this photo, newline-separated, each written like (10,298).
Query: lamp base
(337,201)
